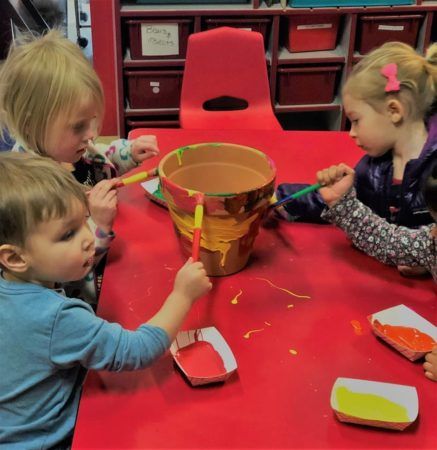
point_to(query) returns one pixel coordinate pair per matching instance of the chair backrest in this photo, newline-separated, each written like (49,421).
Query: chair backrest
(224,64)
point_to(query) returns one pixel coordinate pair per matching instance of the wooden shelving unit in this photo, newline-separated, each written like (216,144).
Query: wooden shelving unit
(112,54)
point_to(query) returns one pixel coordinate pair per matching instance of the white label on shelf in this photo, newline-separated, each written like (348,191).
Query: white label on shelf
(314,26)
(155,86)
(159,39)
(391,27)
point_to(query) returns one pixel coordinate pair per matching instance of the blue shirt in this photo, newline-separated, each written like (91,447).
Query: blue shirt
(46,343)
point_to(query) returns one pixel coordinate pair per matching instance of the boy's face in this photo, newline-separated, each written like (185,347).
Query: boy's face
(61,249)
(68,137)
(371,130)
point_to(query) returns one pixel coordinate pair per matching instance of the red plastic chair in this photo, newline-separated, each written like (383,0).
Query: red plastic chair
(226,68)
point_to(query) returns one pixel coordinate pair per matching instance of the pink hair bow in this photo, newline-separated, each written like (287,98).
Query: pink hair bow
(390,71)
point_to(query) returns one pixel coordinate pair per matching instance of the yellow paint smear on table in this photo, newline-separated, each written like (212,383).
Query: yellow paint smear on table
(247,335)
(283,289)
(217,232)
(234,301)
(370,406)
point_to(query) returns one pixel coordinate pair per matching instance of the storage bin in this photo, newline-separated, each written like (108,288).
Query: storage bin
(324,3)
(312,32)
(252,24)
(189,2)
(148,89)
(158,39)
(307,84)
(166,122)
(373,31)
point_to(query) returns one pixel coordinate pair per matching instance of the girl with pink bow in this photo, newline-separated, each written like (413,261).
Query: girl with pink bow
(388,98)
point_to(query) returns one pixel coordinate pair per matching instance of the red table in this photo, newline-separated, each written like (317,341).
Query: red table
(277,399)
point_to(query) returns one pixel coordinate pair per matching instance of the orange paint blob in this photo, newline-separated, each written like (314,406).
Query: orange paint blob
(234,301)
(408,337)
(201,360)
(357,327)
(247,335)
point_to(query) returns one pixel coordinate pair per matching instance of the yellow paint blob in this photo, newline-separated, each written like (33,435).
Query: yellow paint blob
(247,335)
(234,301)
(290,306)
(217,231)
(292,351)
(283,289)
(369,406)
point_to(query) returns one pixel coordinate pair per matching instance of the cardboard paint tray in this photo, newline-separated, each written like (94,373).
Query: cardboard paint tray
(203,356)
(153,191)
(371,403)
(402,316)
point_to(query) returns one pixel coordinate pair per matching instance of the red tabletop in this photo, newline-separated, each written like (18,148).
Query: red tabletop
(279,397)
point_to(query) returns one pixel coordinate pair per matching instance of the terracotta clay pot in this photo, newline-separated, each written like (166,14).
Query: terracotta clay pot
(237,183)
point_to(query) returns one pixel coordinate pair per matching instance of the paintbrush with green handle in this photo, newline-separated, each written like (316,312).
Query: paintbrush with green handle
(297,194)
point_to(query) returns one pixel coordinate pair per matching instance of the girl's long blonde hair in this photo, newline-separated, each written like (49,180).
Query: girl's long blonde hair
(42,79)
(417,76)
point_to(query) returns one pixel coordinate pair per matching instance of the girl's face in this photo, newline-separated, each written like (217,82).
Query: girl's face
(68,137)
(61,249)
(371,130)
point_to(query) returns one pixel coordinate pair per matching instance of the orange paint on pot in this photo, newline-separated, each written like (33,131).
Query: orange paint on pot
(218,232)
(408,337)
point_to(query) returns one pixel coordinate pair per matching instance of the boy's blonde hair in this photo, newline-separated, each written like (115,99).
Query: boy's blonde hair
(33,189)
(42,79)
(417,76)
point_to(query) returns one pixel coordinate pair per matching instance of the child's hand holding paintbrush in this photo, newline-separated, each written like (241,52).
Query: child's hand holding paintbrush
(102,198)
(333,183)
(102,203)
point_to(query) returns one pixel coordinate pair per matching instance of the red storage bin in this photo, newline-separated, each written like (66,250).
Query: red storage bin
(147,89)
(373,31)
(307,85)
(312,32)
(160,123)
(251,24)
(158,39)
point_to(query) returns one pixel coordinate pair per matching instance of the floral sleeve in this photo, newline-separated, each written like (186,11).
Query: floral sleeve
(117,155)
(389,243)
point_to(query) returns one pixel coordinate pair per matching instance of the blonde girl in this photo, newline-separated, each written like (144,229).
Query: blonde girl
(52,104)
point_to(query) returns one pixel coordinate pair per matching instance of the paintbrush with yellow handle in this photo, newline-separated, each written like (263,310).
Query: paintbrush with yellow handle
(197,230)
(137,178)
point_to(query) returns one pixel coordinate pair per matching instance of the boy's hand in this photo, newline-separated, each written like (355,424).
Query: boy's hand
(191,281)
(102,201)
(430,366)
(143,148)
(337,181)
